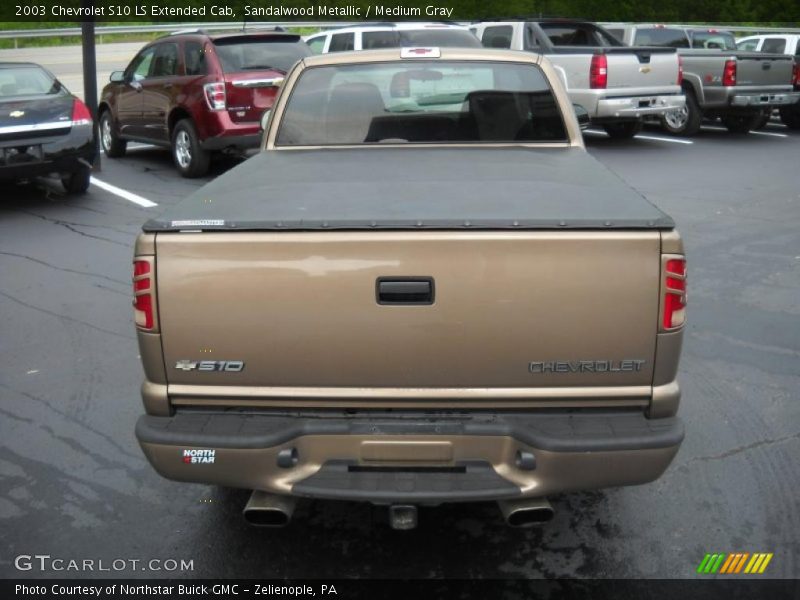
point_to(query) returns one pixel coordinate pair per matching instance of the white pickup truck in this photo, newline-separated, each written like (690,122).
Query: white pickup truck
(617,85)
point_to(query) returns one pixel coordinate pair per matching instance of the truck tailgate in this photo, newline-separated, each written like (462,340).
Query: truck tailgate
(641,67)
(523,309)
(755,68)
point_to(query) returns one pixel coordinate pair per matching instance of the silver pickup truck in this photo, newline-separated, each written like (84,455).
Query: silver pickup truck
(719,80)
(615,84)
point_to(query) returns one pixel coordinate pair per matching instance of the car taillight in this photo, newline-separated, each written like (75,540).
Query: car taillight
(598,72)
(796,75)
(215,95)
(729,73)
(143,304)
(674,293)
(80,113)
(680,70)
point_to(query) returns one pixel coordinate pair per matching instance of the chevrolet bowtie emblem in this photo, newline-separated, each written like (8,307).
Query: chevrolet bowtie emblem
(16,113)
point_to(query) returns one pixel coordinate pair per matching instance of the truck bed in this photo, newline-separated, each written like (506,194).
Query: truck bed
(454,188)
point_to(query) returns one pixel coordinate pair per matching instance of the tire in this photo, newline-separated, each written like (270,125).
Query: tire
(190,159)
(762,120)
(790,116)
(624,130)
(685,121)
(741,123)
(112,145)
(78,181)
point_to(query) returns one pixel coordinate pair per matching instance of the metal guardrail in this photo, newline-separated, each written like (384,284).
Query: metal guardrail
(16,34)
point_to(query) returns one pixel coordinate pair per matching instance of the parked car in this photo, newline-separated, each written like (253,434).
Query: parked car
(783,43)
(740,88)
(372,36)
(617,85)
(197,94)
(405,299)
(44,129)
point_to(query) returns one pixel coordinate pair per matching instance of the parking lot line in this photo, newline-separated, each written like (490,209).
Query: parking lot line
(783,135)
(664,139)
(646,137)
(131,197)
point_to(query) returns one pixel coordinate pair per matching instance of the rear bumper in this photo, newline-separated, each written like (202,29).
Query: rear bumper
(638,106)
(32,157)
(764,100)
(413,457)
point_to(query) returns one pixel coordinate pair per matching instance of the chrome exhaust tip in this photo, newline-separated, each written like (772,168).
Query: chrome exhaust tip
(269,510)
(526,512)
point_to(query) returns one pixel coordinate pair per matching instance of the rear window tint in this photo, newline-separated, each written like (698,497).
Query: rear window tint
(260,53)
(421,102)
(577,34)
(660,36)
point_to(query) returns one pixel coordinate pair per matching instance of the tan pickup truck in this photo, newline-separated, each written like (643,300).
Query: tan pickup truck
(423,290)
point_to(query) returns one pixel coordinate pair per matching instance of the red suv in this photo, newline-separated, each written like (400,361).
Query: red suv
(196,94)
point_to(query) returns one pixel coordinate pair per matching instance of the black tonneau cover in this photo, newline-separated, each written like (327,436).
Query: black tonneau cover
(415,188)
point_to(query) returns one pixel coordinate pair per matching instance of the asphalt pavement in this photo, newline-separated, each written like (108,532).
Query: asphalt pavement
(74,484)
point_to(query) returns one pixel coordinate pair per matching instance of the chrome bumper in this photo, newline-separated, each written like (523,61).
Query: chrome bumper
(638,106)
(779,99)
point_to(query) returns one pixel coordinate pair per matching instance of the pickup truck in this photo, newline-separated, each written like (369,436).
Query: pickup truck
(738,87)
(422,290)
(617,85)
(780,43)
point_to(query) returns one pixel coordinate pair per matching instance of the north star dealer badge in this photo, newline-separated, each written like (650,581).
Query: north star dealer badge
(199,456)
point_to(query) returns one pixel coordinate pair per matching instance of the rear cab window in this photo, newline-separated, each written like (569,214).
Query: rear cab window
(578,34)
(661,36)
(260,53)
(426,102)
(713,40)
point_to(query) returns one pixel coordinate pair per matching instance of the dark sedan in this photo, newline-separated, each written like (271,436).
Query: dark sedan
(44,129)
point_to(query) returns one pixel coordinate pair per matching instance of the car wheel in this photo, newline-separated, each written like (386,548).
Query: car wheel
(790,116)
(112,145)
(78,181)
(623,130)
(741,123)
(686,120)
(190,159)
(763,119)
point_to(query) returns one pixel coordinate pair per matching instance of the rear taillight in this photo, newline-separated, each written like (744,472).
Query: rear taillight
(674,302)
(796,75)
(680,70)
(598,72)
(215,95)
(729,73)
(143,304)
(80,113)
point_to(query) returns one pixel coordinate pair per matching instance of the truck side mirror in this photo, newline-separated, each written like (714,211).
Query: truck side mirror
(583,116)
